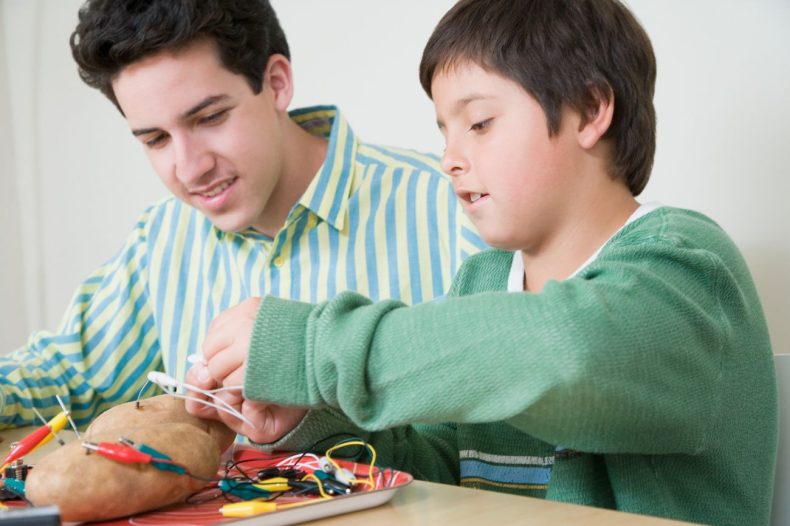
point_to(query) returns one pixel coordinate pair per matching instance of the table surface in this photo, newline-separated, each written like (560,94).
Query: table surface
(430,503)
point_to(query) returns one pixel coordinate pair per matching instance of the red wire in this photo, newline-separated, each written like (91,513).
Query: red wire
(26,444)
(121,453)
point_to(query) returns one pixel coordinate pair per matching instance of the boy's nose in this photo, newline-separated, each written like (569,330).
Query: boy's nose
(453,163)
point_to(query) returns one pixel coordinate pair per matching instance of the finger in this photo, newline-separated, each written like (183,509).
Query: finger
(263,421)
(235,378)
(197,407)
(224,327)
(273,421)
(234,399)
(199,377)
(218,338)
(286,420)
(257,419)
(230,399)
(249,307)
(223,364)
(223,317)
(233,422)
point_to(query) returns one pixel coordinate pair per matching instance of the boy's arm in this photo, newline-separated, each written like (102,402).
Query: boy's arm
(624,359)
(101,353)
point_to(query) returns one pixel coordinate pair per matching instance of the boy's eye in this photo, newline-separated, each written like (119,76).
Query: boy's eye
(482,125)
(214,117)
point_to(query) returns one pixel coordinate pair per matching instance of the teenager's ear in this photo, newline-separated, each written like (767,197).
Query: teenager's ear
(278,77)
(597,116)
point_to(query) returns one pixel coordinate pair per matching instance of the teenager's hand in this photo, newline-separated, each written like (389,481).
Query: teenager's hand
(225,352)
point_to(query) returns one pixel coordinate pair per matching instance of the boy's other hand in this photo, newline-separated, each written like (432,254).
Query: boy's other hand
(227,343)
(268,422)
(225,352)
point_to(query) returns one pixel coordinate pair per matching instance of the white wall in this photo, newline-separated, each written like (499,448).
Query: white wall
(12,297)
(81,180)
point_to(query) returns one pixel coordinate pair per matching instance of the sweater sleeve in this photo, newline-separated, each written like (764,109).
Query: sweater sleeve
(101,352)
(625,357)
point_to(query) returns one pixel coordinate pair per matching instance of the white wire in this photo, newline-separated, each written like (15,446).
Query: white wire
(301,457)
(210,394)
(221,389)
(231,412)
(166,382)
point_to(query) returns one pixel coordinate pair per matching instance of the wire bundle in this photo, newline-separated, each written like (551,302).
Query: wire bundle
(252,485)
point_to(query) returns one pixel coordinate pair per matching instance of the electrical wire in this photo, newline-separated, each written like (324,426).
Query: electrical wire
(370,482)
(171,385)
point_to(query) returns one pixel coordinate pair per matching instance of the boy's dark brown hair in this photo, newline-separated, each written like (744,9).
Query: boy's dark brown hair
(562,52)
(111,34)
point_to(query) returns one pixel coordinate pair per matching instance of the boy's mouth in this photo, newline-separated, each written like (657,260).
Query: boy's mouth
(472,197)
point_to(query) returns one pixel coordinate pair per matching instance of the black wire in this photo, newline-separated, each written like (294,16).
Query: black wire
(234,464)
(197,477)
(207,499)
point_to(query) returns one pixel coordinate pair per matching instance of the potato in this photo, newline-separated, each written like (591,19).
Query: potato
(157,410)
(89,487)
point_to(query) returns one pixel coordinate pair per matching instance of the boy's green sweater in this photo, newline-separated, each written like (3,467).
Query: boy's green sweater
(644,383)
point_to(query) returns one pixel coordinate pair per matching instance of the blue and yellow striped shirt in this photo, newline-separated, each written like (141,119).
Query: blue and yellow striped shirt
(380,221)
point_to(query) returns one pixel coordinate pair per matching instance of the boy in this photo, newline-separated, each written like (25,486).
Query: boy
(265,202)
(606,353)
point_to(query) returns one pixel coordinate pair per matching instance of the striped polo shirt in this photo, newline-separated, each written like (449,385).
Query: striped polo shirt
(380,221)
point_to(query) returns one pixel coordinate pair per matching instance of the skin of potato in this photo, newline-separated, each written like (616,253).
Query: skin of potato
(88,487)
(159,410)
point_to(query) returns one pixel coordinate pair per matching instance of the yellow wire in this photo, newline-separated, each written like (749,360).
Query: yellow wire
(320,485)
(328,454)
(55,425)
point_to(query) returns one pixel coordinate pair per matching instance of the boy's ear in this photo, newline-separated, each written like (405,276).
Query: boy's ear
(278,77)
(597,116)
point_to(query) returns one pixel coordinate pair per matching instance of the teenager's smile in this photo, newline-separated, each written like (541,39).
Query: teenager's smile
(215,195)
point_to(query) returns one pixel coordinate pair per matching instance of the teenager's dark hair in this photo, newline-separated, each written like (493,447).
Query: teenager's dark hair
(111,34)
(562,52)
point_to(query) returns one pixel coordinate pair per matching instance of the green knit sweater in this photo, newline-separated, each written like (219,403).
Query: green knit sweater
(644,383)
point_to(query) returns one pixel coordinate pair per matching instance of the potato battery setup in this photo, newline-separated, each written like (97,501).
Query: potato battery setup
(298,480)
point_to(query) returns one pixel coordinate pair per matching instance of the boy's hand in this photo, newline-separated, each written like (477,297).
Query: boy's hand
(227,343)
(269,422)
(225,352)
